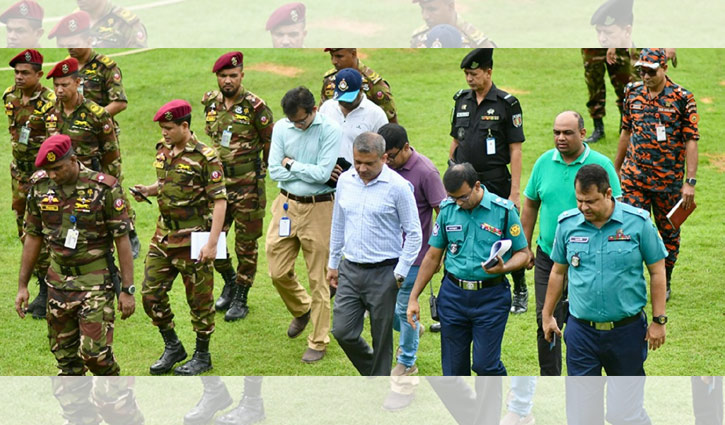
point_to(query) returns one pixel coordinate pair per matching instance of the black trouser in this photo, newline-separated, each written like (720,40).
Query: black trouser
(707,401)
(501,186)
(549,360)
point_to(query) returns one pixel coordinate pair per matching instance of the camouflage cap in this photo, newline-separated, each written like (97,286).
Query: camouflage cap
(173,111)
(53,149)
(228,60)
(290,13)
(652,58)
(24,9)
(73,24)
(27,56)
(64,68)
(444,35)
(614,12)
(478,58)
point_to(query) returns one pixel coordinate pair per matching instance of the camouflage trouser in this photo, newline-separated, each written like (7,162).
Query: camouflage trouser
(245,207)
(80,330)
(620,74)
(87,401)
(660,203)
(162,267)
(20,187)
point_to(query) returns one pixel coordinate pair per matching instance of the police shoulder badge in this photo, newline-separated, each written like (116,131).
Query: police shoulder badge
(517,120)
(515,230)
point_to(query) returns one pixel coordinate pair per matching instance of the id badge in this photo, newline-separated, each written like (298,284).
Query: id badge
(226,138)
(285,227)
(490,146)
(71,239)
(24,135)
(80,87)
(661,133)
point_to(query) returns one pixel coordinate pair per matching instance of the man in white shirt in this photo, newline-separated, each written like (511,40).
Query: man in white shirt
(352,110)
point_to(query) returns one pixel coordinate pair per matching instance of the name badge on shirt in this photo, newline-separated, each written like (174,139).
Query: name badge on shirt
(285,227)
(490,145)
(579,239)
(661,133)
(71,239)
(454,228)
(462,114)
(226,138)
(24,135)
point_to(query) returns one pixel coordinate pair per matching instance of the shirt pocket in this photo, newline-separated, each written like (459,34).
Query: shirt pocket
(623,254)
(580,251)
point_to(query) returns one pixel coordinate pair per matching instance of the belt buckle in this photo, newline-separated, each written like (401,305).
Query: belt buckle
(470,285)
(604,326)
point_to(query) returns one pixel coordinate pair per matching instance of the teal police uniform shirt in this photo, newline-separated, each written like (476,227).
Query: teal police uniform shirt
(606,275)
(467,236)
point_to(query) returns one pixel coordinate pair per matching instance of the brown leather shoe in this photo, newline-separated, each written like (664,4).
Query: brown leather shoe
(311,355)
(298,325)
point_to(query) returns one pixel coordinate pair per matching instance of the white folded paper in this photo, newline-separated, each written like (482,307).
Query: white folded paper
(498,249)
(199,239)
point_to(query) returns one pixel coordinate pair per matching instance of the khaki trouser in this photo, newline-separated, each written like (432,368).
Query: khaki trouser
(310,231)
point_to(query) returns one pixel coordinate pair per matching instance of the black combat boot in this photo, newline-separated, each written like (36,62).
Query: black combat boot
(173,353)
(249,411)
(39,305)
(215,398)
(520,303)
(226,297)
(598,132)
(135,243)
(668,273)
(201,360)
(238,308)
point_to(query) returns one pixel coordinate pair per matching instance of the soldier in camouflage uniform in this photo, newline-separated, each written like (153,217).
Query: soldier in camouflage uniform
(25,103)
(659,136)
(113,26)
(79,213)
(103,398)
(23,24)
(240,127)
(190,180)
(375,88)
(438,12)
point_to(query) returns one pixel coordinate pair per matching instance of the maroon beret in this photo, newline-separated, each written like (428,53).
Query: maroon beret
(73,24)
(24,9)
(228,60)
(53,149)
(64,68)
(27,56)
(173,111)
(290,13)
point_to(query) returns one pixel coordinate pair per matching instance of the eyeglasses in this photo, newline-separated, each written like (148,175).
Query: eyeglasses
(463,198)
(392,156)
(647,71)
(303,121)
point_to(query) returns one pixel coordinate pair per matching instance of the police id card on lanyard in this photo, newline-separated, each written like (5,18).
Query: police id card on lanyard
(285,224)
(71,238)
(490,144)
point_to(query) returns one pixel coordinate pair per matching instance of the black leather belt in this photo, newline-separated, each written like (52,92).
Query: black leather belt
(474,285)
(309,199)
(388,262)
(608,326)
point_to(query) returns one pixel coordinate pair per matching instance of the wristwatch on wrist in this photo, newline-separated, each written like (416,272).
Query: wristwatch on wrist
(130,290)
(691,181)
(660,319)
(399,278)
(288,165)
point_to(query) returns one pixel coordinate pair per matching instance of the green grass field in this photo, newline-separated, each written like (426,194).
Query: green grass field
(546,81)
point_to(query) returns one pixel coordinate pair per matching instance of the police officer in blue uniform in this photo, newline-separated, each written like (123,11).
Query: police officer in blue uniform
(473,302)
(487,128)
(600,247)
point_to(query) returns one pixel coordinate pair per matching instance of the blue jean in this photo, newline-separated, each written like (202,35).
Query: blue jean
(409,337)
(522,388)
(625,400)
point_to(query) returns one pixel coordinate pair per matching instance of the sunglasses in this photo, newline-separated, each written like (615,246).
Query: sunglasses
(647,71)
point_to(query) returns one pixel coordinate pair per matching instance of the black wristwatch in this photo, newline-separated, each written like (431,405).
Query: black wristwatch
(129,290)
(691,181)
(288,165)
(660,319)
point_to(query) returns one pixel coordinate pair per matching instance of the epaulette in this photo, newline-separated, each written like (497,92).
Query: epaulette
(569,214)
(95,108)
(446,202)
(38,176)
(104,179)
(634,84)
(125,14)
(508,97)
(106,61)
(48,96)
(460,93)
(371,75)
(8,91)
(160,144)
(639,212)
(330,73)
(503,202)
(209,96)
(256,101)
(209,153)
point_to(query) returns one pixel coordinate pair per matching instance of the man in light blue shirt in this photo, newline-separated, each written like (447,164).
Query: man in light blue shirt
(374,209)
(302,156)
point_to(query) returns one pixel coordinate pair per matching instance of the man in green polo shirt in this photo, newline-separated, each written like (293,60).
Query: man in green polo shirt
(550,192)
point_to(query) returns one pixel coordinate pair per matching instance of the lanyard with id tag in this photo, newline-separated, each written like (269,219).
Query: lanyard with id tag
(285,224)
(226,137)
(71,238)
(24,134)
(661,133)
(490,144)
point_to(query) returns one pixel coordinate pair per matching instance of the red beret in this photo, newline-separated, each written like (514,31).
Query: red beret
(332,49)
(64,68)
(27,56)
(73,24)
(228,60)
(172,111)
(53,149)
(24,9)
(290,13)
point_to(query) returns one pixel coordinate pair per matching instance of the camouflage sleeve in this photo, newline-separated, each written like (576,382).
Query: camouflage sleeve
(33,224)
(328,90)
(108,143)
(626,119)
(263,122)
(115,211)
(114,82)
(690,118)
(136,36)
(383,97)
(214,178)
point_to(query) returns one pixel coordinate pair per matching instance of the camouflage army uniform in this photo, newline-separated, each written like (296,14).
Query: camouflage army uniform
(470,36)
(375,88)
(102,82)
(652,172)
(188,183)
(80,289)
(249,122)
(89,401)
(620,74)
(118,28)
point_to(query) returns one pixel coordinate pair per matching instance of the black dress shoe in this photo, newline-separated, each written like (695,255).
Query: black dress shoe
(435,327)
